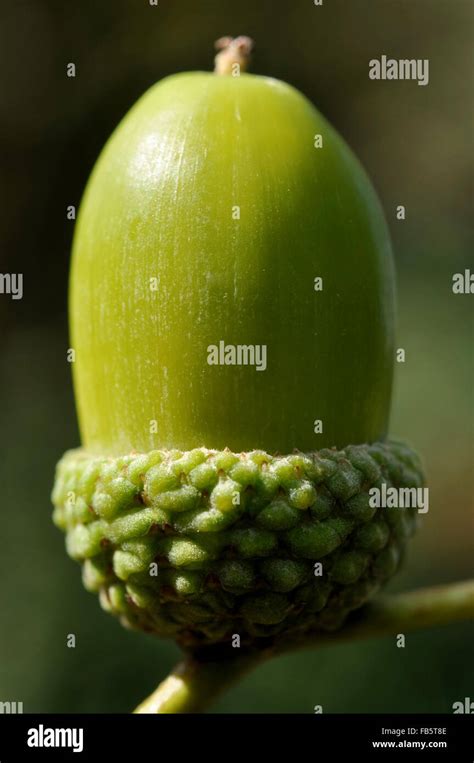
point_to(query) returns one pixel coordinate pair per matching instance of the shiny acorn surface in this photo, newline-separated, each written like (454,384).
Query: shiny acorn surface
(207,219)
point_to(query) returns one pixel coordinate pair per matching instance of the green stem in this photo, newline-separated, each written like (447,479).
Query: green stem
(194,684)
(399,613)
(197,681)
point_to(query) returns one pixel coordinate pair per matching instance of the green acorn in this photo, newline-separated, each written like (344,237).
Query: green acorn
(232,314)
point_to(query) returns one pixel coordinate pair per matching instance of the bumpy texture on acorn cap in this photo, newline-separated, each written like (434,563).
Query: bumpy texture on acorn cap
(204,544)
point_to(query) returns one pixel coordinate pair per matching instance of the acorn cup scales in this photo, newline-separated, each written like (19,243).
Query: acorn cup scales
(232,301)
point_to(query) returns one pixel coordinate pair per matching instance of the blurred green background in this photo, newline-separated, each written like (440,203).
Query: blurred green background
(416,143)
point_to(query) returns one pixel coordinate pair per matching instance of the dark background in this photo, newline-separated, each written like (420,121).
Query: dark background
(416,143)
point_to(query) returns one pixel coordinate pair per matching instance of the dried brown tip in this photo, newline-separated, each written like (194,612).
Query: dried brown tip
(234,55)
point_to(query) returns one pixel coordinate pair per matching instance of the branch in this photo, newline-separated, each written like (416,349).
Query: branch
(399,613)
(194,684)
(197,681)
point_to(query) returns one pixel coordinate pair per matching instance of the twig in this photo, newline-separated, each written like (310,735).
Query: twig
(197,681)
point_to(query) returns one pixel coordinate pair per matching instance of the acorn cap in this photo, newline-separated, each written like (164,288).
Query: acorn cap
(202,545)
